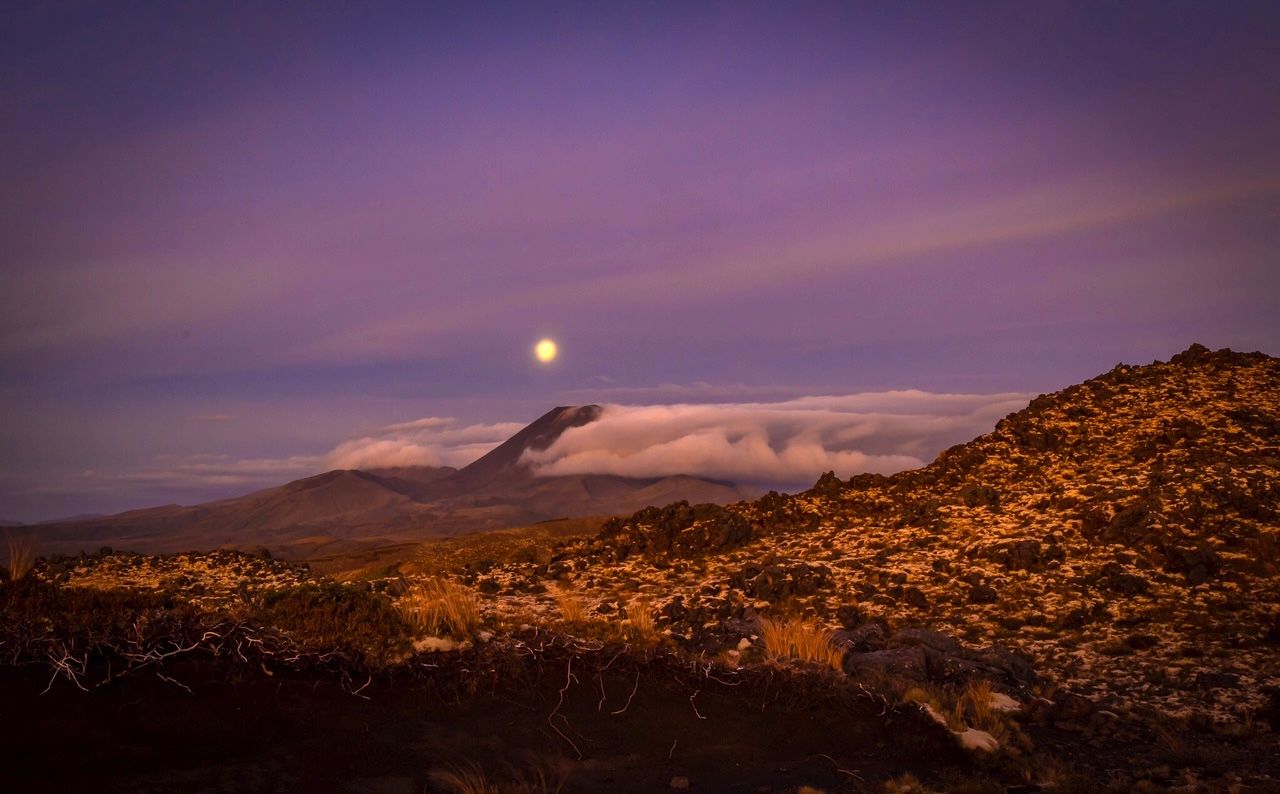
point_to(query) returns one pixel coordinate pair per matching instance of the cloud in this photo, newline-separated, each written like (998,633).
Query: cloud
(780,443)
(205,471)
(1041,210)
(788,442)
(431,441)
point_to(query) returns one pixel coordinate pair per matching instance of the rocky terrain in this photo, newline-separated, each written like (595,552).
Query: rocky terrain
(1122,533)
(1087,598)
(1120,537)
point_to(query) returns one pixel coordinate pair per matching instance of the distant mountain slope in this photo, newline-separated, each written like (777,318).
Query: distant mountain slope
(392,504)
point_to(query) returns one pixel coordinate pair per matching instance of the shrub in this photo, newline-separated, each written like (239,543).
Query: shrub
(795,639)
(331,616)
(440,605)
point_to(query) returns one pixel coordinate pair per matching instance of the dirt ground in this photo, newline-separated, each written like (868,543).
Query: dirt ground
(302,733)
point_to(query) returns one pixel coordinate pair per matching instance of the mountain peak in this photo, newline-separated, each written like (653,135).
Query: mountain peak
(538,434)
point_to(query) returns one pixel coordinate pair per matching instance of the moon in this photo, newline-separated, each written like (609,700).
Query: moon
(545,351)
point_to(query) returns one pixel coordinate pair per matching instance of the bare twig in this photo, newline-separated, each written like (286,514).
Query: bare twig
(695,705)
(568,681)
(629,697)
(174,681)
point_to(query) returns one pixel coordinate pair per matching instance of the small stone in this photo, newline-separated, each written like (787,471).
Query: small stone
(679,783)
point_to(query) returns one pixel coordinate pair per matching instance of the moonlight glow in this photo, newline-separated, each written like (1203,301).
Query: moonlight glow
(545,351)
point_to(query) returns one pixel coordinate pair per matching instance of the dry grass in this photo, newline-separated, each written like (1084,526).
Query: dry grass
(973,707)
(22,556)
(440,605)
(471,778)
(905,784)
(793,639)
(640,627)
(572,612)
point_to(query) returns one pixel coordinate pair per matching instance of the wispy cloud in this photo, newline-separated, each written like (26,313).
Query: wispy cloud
(203,471)
(1047,210)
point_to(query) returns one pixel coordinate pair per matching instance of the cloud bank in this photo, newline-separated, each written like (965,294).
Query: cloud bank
(432,441)
(788,442)
(779,444)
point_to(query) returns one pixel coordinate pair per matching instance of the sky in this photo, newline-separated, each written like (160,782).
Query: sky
(242,242)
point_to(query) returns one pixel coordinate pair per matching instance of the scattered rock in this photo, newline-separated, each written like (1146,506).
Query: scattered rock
(1216,680)
(983,594)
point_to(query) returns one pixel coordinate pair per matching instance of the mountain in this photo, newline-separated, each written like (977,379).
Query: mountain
(388,505)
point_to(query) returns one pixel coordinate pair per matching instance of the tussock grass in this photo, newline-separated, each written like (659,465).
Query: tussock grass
(440,605)
(572,612)
(973,707)
(471,778)
(905,784)
(794,639)
(639,627)
(22,556)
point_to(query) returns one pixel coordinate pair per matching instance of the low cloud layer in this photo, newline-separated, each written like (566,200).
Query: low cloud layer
(789,442)
(432,441)
(780,444)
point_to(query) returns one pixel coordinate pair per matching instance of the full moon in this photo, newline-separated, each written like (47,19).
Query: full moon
(545,350)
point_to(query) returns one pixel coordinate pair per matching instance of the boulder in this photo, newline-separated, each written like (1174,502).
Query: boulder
(983,594)
(907,662)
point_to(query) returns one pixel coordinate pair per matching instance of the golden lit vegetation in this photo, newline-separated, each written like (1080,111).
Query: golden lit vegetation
(480,551)
(440,605)
(905,784)
(639,626)
(21,556)
(572,612)
(471,778)
(794,639)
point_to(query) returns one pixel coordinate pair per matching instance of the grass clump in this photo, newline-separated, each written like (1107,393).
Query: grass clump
(572,612)
(22,557)
(639,626)
(441,606)
(471,778)
(795,639)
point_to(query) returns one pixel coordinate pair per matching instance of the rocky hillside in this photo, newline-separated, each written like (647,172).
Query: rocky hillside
(1121,534)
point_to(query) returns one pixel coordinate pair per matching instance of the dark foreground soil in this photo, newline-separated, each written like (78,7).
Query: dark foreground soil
(295,732)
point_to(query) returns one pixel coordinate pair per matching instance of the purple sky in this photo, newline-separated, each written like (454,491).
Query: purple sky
(238,233)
